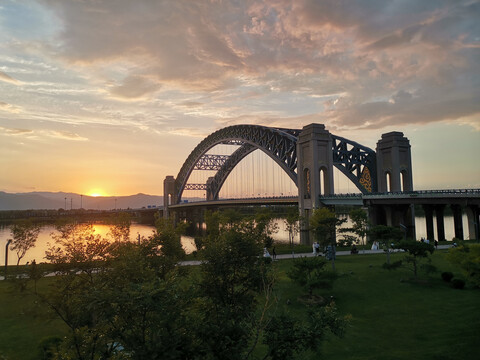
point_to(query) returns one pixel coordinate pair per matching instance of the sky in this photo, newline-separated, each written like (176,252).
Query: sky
(110,96)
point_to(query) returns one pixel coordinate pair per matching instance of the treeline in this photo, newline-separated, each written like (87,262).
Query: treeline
(131,300)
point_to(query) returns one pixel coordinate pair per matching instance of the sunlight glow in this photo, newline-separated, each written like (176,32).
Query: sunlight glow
(97,193)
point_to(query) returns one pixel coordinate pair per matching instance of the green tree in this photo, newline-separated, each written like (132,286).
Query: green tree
(310,273)
(324,222)
(233,275)
(416,251)
(120,226)
(265,226)
(386,236)
(292,225)
(360,223)
(287,338)
(467,257)
(24,234)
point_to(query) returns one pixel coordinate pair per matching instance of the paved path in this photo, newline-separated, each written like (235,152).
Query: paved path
(290,256)
(310,254)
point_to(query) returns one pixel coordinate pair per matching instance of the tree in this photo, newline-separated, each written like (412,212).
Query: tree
(265,226)
(324,223)
(24,234)
(360,223)
(292,225)
(233,276)
(385,235)
(310,273)
(467,257)
(120,226)
(115,299)
(416,250)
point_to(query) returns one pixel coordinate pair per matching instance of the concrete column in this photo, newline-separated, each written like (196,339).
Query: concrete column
(457,220)
(210,196)
(429,221)
(394,157)
(168,194)
(439,209)
(314,154)
(473,214)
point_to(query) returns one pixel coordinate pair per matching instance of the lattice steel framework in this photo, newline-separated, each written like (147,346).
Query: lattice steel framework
(356,161)
(279,144)
(211,162)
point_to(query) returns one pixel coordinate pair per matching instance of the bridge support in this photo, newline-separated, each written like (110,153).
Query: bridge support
(394,163)
(429,221)
(473,216)
(439,210)
(457,221)
(168,195)
(314,171)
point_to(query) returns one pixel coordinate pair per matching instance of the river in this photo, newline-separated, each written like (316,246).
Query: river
(38,252)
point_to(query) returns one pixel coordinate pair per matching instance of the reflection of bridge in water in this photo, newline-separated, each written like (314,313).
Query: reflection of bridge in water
(307,159)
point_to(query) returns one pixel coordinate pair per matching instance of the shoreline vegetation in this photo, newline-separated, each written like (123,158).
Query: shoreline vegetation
(121,299)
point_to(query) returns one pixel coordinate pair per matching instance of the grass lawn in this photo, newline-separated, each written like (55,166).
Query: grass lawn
(391,317)
(394,318)
(24,322)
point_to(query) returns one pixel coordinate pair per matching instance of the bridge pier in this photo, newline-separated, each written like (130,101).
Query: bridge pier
(314,171)
(473,217)
(439,210)
(169,197)
(457,221)
(429,221)
(394,163)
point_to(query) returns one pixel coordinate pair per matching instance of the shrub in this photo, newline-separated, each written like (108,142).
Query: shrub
(48,347)
(447,276)
(458,284)
(393,266)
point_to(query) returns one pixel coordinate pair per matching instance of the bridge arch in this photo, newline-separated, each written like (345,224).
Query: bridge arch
(358,163)
(279,144)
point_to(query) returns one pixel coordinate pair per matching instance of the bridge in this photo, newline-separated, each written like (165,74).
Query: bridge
(307,157)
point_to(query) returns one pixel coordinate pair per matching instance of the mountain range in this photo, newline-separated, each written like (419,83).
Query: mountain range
(62,200)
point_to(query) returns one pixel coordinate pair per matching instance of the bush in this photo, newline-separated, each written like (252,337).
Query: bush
(48,347)
(458,284)
(447,276)
(392,266)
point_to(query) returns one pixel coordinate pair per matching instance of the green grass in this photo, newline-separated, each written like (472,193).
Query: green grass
(396,318)
(391,316)
(24,322)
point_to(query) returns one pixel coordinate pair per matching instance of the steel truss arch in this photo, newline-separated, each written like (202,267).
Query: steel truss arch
(279,144)
(359,163)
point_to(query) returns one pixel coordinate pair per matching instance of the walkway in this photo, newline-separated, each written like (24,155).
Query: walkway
(310,254)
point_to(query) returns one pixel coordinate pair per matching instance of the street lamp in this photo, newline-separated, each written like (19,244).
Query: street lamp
(6,257)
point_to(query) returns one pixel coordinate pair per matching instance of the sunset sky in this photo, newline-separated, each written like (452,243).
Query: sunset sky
(110,96)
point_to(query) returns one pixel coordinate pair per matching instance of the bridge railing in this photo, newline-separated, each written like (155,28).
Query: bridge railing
(410,193)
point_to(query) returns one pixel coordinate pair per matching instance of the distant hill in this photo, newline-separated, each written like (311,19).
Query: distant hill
(50,200)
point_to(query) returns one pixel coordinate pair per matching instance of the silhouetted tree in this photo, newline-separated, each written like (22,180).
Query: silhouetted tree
(24,234)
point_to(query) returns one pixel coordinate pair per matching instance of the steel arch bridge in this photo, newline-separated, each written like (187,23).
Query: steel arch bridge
(356,161)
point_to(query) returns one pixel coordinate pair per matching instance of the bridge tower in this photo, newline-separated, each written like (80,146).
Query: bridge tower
(394,174)
(169,196)
(394,163)
(314,171)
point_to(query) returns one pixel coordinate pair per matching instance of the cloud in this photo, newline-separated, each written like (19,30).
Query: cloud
(65,135)
(15,132)
(374,53)
(9,79)
(134,87)
(9,108)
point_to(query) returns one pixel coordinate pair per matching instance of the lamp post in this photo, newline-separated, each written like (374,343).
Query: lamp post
(6,257)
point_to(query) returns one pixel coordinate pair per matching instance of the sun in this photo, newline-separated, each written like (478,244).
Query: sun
(96,193)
